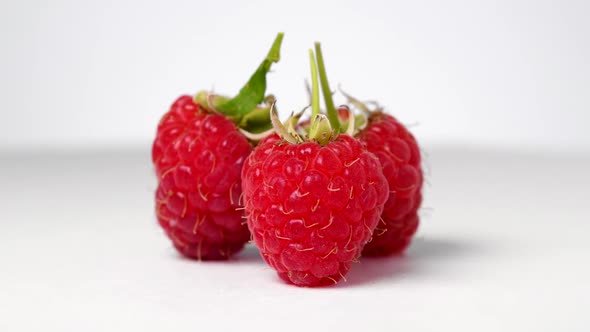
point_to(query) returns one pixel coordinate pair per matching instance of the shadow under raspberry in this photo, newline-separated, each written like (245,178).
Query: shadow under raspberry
(248,255)
(421,259)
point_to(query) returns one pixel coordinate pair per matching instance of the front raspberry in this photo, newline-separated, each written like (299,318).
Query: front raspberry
(311,208)
(399,155)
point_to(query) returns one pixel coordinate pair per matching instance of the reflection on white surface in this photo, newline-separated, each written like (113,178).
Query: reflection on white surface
(503,246)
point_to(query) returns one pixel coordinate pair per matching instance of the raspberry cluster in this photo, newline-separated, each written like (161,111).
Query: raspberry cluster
(313,195)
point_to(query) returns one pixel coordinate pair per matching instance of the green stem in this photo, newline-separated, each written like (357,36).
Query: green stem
(330,109)
(315,92)
(252,93)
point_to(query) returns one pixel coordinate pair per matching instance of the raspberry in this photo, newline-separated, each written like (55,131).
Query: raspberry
(312,208)
(399,155)
(198,154)
(198,157)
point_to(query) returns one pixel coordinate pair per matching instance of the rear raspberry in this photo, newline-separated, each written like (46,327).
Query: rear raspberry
(399,155)
(198,158)
(198,154)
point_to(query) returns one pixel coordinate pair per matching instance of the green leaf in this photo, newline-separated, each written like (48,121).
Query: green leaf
(252,93)
(256,121)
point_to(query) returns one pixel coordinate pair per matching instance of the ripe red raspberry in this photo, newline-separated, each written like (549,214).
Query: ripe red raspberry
(198,158)
(198,155)
(311,208)
(399,155)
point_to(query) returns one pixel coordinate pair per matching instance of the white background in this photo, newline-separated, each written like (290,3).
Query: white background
(101,73)
(497,92)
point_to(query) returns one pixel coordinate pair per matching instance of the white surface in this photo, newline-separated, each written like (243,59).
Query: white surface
(499,73)
(503,247)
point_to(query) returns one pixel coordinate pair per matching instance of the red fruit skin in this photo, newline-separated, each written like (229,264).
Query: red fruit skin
(198,158)
(399,154)
(312,208)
